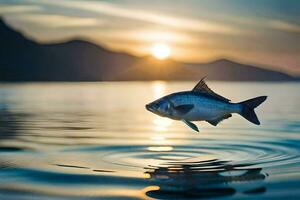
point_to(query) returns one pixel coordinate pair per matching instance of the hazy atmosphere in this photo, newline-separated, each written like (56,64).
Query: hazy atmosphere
(265,32)
(149,99)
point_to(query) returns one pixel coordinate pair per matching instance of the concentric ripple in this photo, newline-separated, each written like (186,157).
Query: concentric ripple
(102,144)
(262,154)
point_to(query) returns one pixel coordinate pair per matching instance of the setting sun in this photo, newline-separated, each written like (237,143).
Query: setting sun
(161,51)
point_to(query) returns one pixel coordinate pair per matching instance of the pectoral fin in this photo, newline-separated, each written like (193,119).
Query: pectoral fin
(183,109)
(218,120)
(191,125)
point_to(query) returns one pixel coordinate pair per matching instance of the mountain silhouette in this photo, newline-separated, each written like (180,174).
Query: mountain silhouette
(22,59)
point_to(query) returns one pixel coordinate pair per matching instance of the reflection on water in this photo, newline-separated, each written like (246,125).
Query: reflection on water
(161,124)
(203,179)
(91,141)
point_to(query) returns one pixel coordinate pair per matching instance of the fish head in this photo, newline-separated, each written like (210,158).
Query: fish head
(161,107)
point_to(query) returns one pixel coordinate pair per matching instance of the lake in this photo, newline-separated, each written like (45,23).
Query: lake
(97,141)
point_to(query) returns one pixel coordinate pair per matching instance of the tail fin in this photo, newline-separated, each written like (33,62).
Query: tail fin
(248,108)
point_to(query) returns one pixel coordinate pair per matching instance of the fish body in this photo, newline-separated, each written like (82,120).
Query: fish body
(202,104)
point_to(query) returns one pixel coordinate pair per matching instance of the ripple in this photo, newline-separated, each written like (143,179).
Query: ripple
(262,154)
(71,166)
(203,179)
(94,145)
(11,149)
(206,168)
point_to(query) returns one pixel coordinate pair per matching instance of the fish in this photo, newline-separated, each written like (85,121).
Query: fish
(203,104)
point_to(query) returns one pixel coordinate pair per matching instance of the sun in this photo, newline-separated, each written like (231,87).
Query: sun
(160,51)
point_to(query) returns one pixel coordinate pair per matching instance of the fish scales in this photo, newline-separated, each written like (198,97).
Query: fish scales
(205,107)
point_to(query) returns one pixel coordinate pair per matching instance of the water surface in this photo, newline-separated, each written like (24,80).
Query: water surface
(97,141)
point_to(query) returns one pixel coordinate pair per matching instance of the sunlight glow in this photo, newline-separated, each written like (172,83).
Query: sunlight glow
(160,148)
(161,51)
(158,89)
(158,138)
(161,124)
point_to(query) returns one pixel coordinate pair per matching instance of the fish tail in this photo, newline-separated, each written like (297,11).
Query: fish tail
(248,107)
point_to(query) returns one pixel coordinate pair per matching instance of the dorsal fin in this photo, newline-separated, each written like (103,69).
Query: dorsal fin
(202,87)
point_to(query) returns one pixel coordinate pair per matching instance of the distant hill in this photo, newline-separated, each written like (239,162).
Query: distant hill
(22,59)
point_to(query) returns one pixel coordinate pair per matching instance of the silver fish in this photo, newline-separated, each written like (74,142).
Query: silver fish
(202,104)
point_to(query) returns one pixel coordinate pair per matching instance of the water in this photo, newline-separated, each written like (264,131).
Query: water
(97,141)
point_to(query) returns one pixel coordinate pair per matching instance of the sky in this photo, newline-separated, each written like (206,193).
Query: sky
(265,32)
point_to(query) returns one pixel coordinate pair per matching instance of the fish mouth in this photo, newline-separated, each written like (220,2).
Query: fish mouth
(149,108)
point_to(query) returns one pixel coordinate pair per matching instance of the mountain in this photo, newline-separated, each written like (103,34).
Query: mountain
(22,59)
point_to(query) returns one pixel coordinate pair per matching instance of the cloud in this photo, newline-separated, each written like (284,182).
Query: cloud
(266,23)
(110,9)
(11,9)
(284,26)
(58,21)
(161,36)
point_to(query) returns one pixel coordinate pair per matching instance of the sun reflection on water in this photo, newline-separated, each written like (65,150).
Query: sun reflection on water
(158,89)
(161,124)
(158,138)
(160,148)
